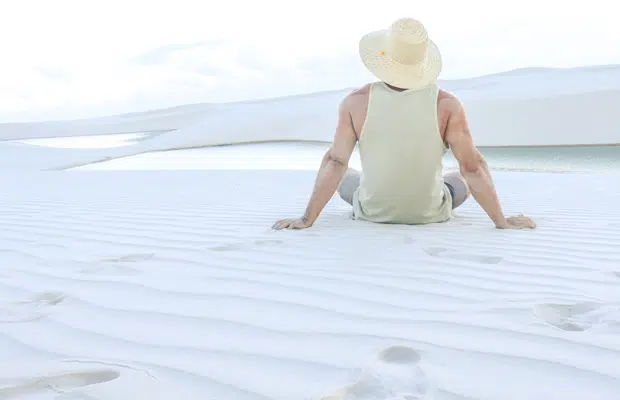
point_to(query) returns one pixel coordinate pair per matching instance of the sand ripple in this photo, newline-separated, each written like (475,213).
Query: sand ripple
(171,284)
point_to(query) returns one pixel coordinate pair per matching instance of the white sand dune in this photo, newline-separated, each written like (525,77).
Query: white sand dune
(171,284)
(535,108)
(138,282)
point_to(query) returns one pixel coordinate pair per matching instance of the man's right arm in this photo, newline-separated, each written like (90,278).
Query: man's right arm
(472,164)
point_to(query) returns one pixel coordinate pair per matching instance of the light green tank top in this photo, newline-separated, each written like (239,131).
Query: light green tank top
(401,152)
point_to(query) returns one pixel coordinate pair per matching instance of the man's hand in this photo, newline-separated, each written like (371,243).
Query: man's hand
(296,223)
(518,222)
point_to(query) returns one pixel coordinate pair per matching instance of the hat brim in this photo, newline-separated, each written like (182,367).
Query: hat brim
(391,71)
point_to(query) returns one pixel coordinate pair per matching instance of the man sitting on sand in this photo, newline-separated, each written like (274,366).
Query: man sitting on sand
(404,125)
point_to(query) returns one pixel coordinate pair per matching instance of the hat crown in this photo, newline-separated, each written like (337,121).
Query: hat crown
(408,30)
(407,41)
(403,55)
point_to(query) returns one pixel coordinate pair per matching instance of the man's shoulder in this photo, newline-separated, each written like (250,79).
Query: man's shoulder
(448,102)
(361,91)
(356,96)
(445,95)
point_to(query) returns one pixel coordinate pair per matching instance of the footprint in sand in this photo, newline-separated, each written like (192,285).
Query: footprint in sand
(30,309)
(57,384)
(580,316)
(117,265)
(442,252)
(129,258)
(395,374)
(78,379)
(246,245)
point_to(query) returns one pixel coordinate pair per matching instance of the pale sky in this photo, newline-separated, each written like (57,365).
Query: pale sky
(84,58)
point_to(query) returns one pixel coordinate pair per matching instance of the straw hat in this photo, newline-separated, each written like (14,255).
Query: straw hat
(402,56)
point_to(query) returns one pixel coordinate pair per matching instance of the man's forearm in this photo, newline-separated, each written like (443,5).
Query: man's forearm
(481,186)
(328,178)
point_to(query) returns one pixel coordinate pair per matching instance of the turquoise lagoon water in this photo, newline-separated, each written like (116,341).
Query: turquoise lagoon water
(600,159)
(307,156)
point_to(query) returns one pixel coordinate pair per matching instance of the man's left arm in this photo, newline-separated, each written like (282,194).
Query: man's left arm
(333,167)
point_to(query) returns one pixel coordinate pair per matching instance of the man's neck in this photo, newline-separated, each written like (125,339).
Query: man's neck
(394,87)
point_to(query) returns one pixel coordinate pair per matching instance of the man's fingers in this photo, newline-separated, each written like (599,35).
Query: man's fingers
(285,224)
(528,222)
(279,225)
(289,224)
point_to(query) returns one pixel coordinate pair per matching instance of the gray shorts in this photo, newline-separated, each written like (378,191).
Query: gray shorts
(457,187)
(453,181)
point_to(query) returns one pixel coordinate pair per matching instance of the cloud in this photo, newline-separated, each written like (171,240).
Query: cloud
(208,71)
(75,59)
